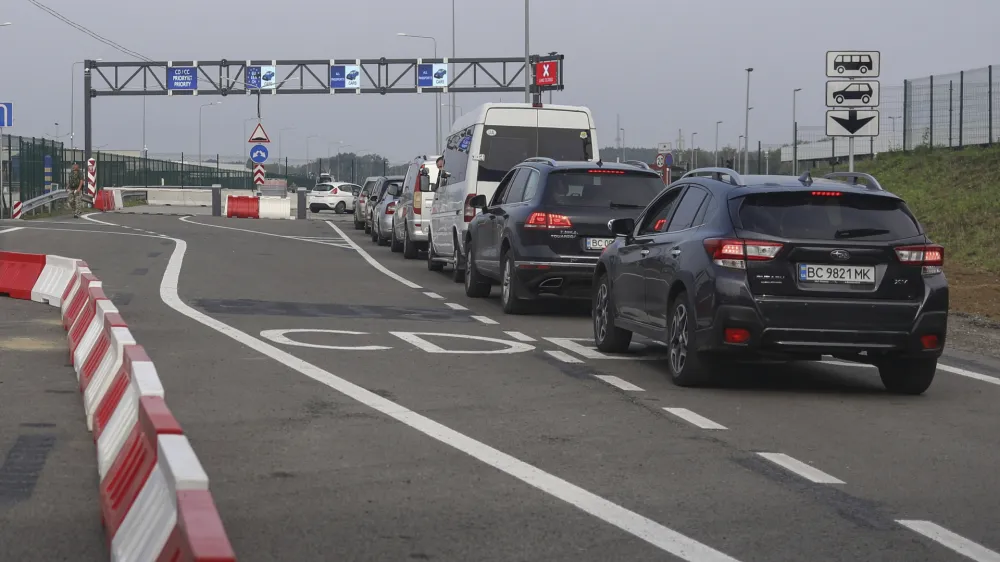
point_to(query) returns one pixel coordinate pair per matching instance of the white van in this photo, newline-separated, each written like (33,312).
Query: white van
(483,146)
(410,222)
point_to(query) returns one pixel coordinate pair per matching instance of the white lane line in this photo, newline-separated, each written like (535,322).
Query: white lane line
(519,336)
(619,383)
(958,543)
(563,356)
(484,320)
(434,295)
(969,374)
(14,229)
(455,306)
(590,352)
(801,468)
(90,217)
(641,527)
(694,419)
(286,237)
(90,231)
(374,263)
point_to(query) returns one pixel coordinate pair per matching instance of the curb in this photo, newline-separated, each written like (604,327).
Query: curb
(155,501)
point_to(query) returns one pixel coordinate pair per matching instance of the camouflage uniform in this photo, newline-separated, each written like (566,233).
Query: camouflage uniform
(75,177)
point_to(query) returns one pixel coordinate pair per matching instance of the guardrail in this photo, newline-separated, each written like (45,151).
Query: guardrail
(44,199)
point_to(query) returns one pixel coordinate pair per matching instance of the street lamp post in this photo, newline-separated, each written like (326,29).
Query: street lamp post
(437,97)
(694,157)
(795,136)
(621,131)
(717,123)
(739,153)
(452,69)
(203,106)
(527,52)
(746,126)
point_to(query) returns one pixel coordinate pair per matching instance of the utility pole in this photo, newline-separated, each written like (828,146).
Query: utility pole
(795,136)
(717,123)
(746,127)
(527,52)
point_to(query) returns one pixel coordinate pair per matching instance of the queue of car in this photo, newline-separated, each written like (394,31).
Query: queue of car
(717,266)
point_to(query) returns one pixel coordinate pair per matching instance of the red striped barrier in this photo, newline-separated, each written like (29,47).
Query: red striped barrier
(36,277)
(73,299)
(242,207)
(16,211)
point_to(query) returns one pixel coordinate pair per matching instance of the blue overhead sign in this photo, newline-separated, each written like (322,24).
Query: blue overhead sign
(258,154)
(182,78)
(6,114)
(432,75)
(261,77)
(345,76)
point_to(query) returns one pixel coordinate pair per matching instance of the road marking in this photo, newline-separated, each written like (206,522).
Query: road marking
(619,383)
(416,339)
(590,352)
(969,374)
(802,469)
(15,229)
(374,263)
(90,217)
(455,306)
(846,363)
(484,320)
(694,419)
(434,295)
(563,356)
(958,543)
(519,336)
(278,336)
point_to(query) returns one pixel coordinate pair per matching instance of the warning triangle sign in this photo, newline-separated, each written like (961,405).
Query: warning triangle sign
(259,135)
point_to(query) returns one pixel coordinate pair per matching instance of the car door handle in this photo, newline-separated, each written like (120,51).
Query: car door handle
(644,252)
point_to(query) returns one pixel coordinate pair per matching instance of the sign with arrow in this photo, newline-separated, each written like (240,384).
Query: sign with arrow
(258,135)
(852,123)
(258,154)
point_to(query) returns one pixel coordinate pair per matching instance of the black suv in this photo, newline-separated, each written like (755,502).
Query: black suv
(776,267)
(546,225)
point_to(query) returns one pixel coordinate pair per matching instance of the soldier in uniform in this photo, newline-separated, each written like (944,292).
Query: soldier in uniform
(75,187)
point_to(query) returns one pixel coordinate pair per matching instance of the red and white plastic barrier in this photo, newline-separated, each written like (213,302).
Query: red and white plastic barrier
(155,499)
(252,207)
(16,211)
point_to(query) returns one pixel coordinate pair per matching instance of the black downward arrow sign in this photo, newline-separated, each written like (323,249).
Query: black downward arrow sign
(852,124)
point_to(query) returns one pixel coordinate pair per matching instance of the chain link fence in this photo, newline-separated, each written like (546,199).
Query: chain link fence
(951,110)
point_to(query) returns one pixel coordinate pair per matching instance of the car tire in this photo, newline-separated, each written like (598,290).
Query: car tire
(374,234)
(840,99)
(457,272)
(368,227)
(431,264)
(313,209)
(865,99)
(340,208)
(607,337)
(358,225)
(687,367)
(907,376)
(512,304)
(477,285)
(840,69)
(394,244)
(410,250)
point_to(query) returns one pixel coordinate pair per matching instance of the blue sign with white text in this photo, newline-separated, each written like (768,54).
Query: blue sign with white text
(258,154)
(345,76)
(252,78)
(182,78)
(432,75)
(7,114)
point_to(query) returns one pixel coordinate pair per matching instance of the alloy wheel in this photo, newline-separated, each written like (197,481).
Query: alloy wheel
(679,339)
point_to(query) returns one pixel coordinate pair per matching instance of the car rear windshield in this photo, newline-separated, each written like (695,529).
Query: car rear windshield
(802,215)
(505,147)
(601,188)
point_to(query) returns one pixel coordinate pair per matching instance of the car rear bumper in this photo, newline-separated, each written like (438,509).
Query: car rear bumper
(842,340)
(564,279)
(419,233)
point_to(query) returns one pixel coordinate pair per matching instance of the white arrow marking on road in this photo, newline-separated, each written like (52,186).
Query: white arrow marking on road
(415,339)
(278,336)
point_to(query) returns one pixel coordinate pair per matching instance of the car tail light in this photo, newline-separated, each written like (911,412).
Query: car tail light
(418,202)
(615,172)
(390,208)
(736,335)
(470,211)
(929,256)
(334,191)
(362,199)
(734,253)
(930,341)
(548,221)
(827,193)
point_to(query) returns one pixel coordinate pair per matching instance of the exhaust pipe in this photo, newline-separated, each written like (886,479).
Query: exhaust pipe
(554,283)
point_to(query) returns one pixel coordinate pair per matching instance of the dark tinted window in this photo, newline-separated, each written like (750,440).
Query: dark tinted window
(656,219)
(815,217)
(531,189)
(456,154)
(686,211)
(501,191)
(516,189)
(505,147)
(604,189)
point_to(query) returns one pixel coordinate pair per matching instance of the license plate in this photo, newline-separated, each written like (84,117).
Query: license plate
(598,243)
(848,274)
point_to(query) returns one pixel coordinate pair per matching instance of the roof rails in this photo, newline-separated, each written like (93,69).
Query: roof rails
(638,164)
(716,173)
(871,184)
(541,159)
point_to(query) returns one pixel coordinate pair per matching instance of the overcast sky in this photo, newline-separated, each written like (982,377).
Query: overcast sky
(662,65)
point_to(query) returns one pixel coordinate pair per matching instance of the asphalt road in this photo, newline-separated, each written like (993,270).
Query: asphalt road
(350,404)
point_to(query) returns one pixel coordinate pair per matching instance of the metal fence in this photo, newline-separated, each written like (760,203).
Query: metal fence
(951,110)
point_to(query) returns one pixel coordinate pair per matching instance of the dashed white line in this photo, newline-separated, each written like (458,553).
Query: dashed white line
(563,356)
(434,295)
(969,374)
(620,383)
(955,542)
(694,419)
(484,320)
(800,468)
(372,261)
(455,306)
(519,336)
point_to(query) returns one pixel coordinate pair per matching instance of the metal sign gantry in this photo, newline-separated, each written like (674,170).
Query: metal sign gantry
(382,76)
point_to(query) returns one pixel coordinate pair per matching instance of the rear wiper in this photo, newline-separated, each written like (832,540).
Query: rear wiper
(626,206)
(859,232)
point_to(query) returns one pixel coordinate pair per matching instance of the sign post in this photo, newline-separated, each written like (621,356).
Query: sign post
(547,74)
(854,100)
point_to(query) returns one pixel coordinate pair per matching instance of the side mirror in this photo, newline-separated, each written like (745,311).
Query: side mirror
(621,227)
(478,202)
(423,182)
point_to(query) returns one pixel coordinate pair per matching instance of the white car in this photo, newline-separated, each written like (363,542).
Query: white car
(336,196)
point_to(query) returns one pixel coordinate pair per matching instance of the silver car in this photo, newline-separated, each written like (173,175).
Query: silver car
(361,202)
(411,226)
(377,193)
(383,211)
